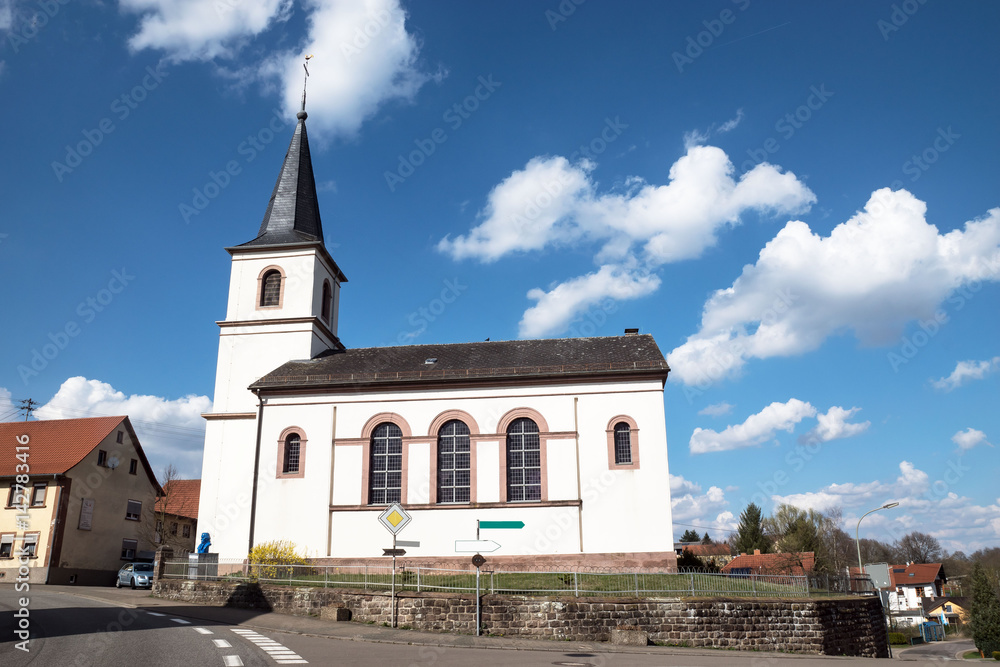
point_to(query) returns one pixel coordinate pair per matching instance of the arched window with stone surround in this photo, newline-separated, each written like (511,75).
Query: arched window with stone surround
(385,480)
(270,292)
(454,463)
(524,461)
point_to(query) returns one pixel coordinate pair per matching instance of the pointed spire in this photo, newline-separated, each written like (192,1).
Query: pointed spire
(293,213)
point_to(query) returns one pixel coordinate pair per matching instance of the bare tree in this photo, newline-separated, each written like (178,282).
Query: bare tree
(159,524)
(919,547)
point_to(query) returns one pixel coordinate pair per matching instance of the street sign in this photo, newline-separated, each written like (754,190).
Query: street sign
(478,560)
(474,546)
(395,518)
(502,524)
(393,552)
(407,543)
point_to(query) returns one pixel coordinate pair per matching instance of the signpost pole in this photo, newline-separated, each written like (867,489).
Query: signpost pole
(392,605)
(479,623)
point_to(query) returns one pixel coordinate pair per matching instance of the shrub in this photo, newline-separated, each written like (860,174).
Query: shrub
(898,638)
(996,655)
(274,560)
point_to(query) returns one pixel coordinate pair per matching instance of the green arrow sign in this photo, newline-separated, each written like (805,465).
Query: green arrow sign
(502,524)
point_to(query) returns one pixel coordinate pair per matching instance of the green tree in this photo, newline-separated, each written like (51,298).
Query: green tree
(707,539)
(750,533)
(690,536)
(984,615)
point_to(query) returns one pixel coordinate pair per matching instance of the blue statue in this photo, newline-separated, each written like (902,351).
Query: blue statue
(206,542)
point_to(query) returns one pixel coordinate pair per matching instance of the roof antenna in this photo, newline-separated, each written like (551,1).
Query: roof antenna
(302,114)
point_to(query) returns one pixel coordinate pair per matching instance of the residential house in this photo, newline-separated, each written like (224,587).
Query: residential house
(911,585)
(310,441)
(176,519)
(793,563)
(714,553)
(947,610)
(76,490)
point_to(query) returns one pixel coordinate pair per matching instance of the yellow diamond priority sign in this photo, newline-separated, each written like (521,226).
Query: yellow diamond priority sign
(394,518)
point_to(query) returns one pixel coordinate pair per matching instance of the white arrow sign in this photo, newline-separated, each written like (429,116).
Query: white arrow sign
(475,546)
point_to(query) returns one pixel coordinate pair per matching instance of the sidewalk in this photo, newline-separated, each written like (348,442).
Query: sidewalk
(352,631)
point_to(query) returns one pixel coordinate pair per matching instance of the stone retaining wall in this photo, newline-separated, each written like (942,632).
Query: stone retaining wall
(849,626)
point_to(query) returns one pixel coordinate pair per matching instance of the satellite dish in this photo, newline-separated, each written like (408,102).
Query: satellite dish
(113,462)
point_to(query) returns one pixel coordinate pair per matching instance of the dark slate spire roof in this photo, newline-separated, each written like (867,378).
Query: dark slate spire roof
(293,213)
(492,363)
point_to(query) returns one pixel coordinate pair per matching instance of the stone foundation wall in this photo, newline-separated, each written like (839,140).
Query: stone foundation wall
(849,626)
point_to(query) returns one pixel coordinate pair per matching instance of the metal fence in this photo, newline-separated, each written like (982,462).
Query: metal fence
(377,576)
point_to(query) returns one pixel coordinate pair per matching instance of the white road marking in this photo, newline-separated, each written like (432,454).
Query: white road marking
(153,613)
(181,621)
(232,661)
(280,653)
(221,643)
(204,631)
(292,662)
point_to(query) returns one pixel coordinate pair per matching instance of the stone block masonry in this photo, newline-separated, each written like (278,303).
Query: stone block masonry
(846,626)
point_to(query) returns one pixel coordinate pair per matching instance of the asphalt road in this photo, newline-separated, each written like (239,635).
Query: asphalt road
(936,652)
(105,627)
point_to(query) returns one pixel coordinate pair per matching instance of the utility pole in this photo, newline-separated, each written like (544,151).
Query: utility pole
(28,405)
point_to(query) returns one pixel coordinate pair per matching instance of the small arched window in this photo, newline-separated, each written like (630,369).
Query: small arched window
(524,461)
(454,457)
(327,301)
(293,444)
(385,482)
(270,293)
(623,444)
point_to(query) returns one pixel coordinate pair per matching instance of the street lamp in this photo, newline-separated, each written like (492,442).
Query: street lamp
(857,533)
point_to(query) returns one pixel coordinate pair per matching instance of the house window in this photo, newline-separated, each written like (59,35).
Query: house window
(623,444)
(14,497)
(454,473)
(102,458)
(327,301)
(920,591)
(186,531)
(134,510)
(947,607)
(386,476)
(38,494)
(173,528)
(270,293)
(7,545)
(30,548)
(133,466)
(292,445)
(524,461)
(128,549)
(121,436)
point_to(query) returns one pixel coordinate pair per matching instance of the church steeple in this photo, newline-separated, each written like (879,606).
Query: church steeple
(293,212)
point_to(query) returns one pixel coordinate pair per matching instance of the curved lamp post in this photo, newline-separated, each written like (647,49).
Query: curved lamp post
(857,533)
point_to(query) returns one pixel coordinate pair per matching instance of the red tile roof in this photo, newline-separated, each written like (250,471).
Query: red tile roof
(915,574)
(182,498)
(787,563)
(55,445)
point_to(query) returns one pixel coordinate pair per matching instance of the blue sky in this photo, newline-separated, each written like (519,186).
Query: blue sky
(799,201)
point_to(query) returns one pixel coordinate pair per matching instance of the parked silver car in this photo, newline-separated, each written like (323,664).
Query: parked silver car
(136,575)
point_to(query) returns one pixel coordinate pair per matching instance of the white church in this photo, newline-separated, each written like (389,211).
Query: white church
(309,440)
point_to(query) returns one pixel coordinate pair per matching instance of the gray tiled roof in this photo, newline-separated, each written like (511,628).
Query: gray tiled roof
(554,358)
(293,213)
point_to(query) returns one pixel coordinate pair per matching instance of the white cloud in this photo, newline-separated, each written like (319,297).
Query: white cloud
(757,428)
(969,438)
(561,304)
(965,371)
(200,30)
(693,505)
(170,431)
(694,138)
(716,410)
(834,425)
(732,123)
(554,203)
(364,55)
(680,486)
(6,14)
(877,272)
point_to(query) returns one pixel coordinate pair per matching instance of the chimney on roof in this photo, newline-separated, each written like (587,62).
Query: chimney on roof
(631,332)
(756,552)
